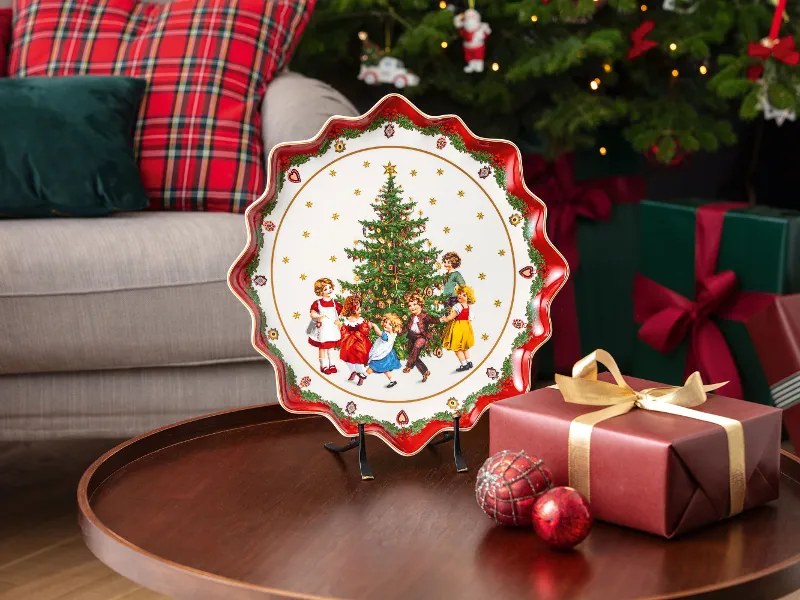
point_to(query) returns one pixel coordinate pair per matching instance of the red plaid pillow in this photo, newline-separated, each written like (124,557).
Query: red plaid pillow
(5,39)
(207,63)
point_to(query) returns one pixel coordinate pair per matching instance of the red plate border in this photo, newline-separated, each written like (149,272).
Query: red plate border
(555,274)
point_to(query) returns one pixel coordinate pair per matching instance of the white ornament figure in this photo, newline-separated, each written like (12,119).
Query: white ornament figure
(779,115)
(681,7)
(388,70)
(474,31)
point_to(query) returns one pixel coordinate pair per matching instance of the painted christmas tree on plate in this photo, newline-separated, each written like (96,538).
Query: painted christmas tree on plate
(398,274)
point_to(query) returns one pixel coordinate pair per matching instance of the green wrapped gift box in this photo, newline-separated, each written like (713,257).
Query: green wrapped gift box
(759,245)
(593,219)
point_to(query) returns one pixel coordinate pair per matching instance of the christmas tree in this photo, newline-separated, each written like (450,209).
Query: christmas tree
(394,261)
(673,76)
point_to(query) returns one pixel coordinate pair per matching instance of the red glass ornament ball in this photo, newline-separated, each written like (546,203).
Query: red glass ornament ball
(562,517)
(508,484)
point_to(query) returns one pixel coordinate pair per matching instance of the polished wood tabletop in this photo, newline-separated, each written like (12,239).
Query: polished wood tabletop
(248,504)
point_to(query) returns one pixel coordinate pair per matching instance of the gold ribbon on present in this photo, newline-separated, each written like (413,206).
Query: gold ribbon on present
(619,398)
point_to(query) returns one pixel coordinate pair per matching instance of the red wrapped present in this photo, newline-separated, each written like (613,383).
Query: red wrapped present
(775,332)
(664,460)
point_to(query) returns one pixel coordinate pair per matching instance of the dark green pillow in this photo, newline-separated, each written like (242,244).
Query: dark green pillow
(66,146)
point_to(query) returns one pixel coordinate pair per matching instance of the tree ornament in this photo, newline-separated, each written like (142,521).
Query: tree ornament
(561,517)
(474,32)
(677,158)
(508,484)
(682,7)
(639,45)
(377,67)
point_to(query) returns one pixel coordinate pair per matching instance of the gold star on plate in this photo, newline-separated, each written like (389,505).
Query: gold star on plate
(468,248)
(306,234)
(285,259)
(335,216)
(430,243)
(389,169)
(501,252)
(296,315)
(413,172)
(432,201)
(356,278)
(303,276)
(333,259)
(309,204)
(332,173)
(366,164)
(420,213)
(440,171)
(497,303)
(438,265)
(485,337)
(357,192)
(460,193)
(482,276)
(446,230)
(480,216)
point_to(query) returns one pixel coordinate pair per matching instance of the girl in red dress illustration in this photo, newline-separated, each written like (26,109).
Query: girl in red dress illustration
(323,330)
(355,340)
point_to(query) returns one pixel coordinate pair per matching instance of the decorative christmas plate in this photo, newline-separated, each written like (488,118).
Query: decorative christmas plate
(398,274)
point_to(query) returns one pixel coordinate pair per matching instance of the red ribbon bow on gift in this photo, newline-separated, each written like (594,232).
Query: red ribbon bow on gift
(566,200)
(641,45)
(668,318)
(782,50)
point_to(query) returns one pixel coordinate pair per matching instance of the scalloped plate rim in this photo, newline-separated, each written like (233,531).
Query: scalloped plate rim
(522,356)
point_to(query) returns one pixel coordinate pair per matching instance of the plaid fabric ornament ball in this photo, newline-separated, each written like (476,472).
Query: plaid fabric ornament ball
(509,483)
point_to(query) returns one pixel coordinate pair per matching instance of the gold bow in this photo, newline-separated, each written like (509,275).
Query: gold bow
(619,398)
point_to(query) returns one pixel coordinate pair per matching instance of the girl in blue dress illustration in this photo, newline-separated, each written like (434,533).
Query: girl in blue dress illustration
(382,356)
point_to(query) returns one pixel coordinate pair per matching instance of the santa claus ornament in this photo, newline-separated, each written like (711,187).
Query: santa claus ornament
(474,31)
(509,483)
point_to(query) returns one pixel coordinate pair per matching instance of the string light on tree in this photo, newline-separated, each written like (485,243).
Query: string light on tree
(534,18)
(444,44)
(495,66)
(703,69)
(442,4)
(594,84)
(644,7)
(603,151)
(673,46)
(607,68)
(675,72)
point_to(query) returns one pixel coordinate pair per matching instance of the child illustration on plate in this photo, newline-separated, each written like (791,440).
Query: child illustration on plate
(323,330)
(451,261)
(418,329)
(458,335)
(382,357)
(355,348)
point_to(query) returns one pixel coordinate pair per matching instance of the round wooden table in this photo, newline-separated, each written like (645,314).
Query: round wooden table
(248,504)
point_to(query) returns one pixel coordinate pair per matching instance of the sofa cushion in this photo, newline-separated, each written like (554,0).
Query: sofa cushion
(5,39)
(71,152)
(132,290)
(207,63)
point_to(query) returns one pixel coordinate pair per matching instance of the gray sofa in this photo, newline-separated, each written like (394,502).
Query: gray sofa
(114,326)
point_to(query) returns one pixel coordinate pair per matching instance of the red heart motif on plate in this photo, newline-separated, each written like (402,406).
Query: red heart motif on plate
(402,418)
(294,176)
(527,272)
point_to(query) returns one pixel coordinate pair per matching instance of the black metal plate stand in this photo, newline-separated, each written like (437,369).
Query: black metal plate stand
(361,443)
(461,464)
